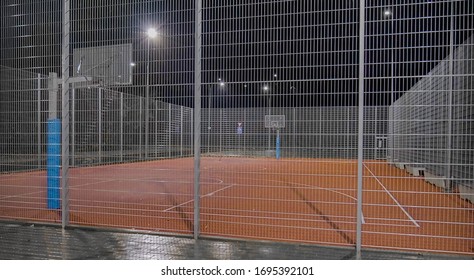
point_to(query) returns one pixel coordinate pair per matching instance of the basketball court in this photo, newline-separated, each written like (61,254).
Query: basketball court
(290,200)
(316,129)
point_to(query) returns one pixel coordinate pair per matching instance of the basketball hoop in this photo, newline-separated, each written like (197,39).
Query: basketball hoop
(275,121)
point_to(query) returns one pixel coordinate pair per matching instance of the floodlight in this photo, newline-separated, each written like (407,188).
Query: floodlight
(152,33)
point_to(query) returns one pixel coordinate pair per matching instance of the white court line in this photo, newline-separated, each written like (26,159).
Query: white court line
(320,188)
(393,198)
(214,192)
(93,183)
(189,201)
(19,195)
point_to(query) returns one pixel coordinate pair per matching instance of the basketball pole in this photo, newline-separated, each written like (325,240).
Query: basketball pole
(278,144)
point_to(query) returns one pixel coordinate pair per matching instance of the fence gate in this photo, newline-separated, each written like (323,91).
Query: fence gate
(381,147)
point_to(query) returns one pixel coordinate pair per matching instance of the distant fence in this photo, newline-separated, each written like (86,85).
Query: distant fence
(312,132)
(23,113)
(431,125)
(106,126)
(109,126)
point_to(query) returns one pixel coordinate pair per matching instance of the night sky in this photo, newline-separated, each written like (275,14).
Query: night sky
(311,46)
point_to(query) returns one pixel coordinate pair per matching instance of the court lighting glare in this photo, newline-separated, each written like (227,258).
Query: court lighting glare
(222,84)
(265,88)
(387,13)
(152,33)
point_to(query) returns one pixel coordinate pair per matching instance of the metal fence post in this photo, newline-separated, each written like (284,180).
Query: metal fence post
(320,134)
(294,133)
(169,130)
(360,146)
(100,124)
(197,113)
(53,96)
(65,114)
(156,129)
(38,115)
(245,131)
(121,127)
(269,129)
(449,127)
(140,129)
(73,126)
(209,104)
(181,130)
(220,131)
(346,151)
(375,147)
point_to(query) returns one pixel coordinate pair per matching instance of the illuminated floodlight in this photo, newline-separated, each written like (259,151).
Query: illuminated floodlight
(152,33)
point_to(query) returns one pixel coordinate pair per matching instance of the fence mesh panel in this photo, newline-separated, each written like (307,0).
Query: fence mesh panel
(128,112)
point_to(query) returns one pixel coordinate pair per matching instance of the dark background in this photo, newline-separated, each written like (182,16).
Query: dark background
(312,46)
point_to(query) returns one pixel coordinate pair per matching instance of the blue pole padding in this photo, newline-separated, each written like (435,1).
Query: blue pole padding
(278,146)
(53,163)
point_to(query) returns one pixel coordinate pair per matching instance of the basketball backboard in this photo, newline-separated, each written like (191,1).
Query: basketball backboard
(103,65)
(274,121)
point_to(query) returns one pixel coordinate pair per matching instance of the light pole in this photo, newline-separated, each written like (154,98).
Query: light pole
(388,14)
(292,92)
(151,34)
(269,96)
(209,105)
(266,88)
(269,105)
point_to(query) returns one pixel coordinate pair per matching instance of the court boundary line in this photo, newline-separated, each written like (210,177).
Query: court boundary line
(20,195)
(392,197)
(312,186)
(92,183)
(205,195)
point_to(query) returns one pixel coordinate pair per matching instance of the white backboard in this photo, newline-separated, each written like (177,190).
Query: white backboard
(274,121)
(104,65)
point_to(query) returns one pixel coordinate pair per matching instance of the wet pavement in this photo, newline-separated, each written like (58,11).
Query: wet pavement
(32,242)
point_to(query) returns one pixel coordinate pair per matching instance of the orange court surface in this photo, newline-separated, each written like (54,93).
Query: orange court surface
(290,200)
